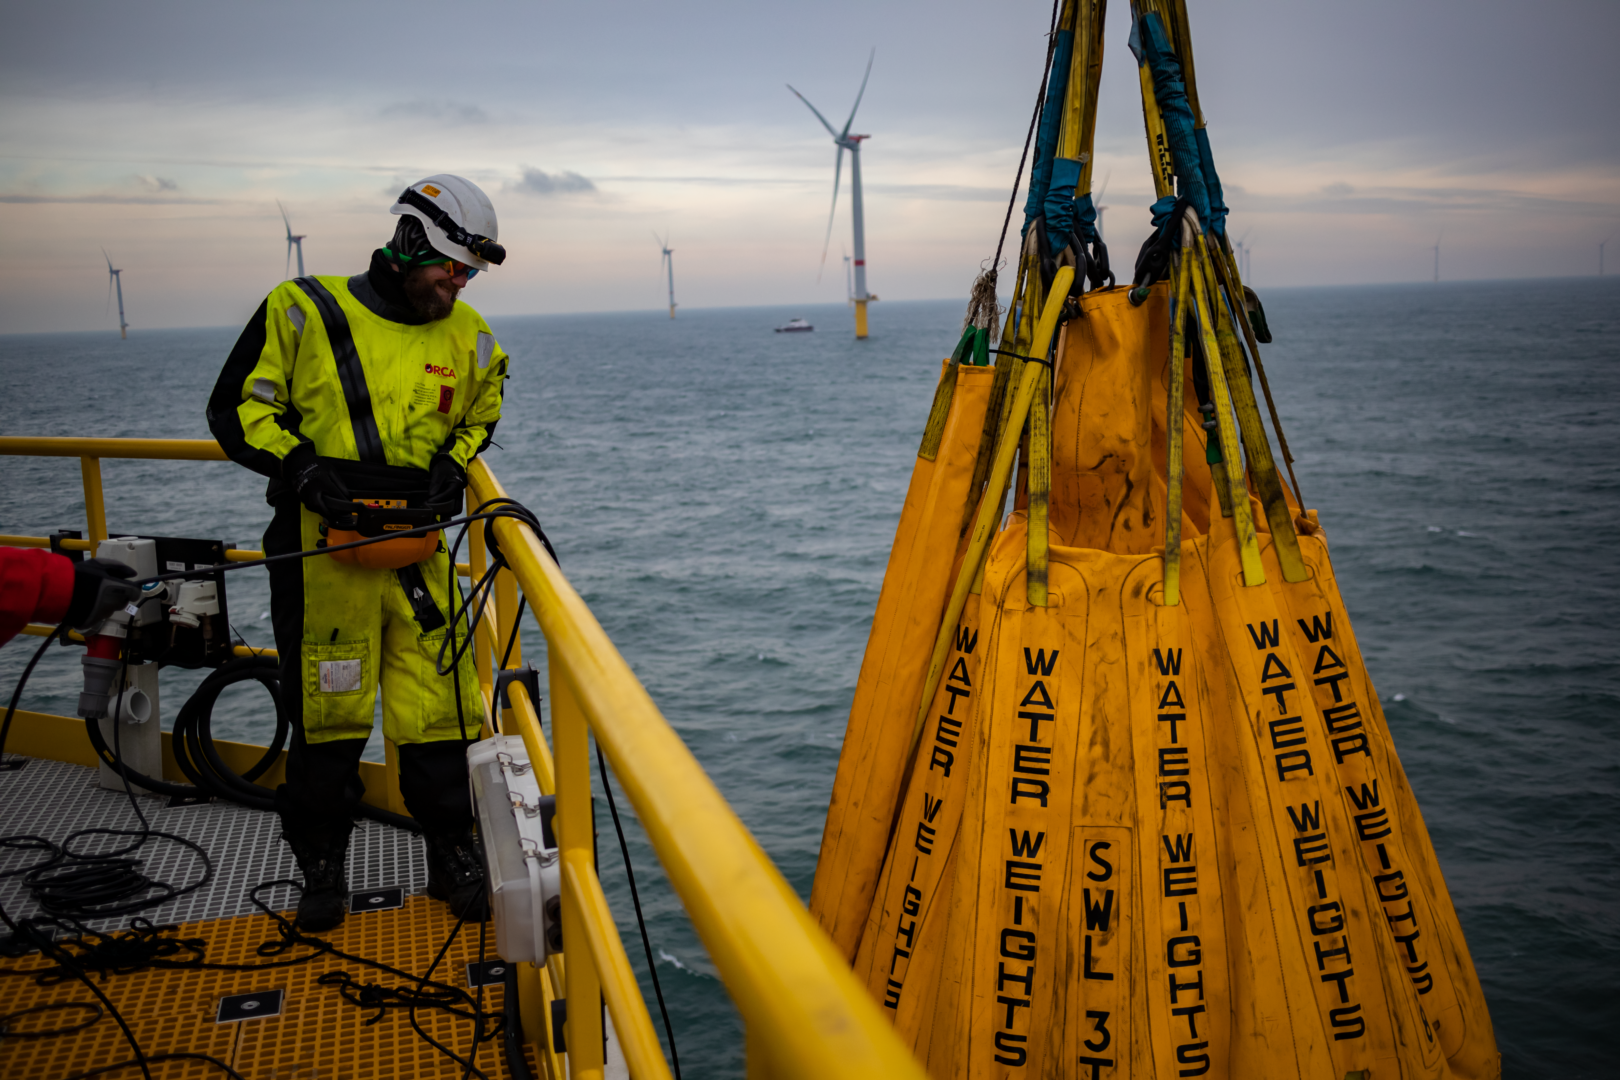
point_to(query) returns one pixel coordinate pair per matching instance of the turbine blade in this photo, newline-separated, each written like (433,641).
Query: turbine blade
(838,172)
(108,257)
(284,220)
(1107,176)
(862,93)
(813,109)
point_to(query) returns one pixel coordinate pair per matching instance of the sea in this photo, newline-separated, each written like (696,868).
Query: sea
(724,498)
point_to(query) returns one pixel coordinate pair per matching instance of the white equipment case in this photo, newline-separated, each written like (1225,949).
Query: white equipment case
(520,850)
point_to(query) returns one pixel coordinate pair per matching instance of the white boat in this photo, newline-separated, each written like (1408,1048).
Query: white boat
(794,326)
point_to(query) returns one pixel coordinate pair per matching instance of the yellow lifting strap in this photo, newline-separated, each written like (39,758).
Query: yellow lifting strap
(990,507)
(1117,797)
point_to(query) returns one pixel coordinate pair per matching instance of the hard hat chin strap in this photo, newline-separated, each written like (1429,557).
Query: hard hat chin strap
(481,246)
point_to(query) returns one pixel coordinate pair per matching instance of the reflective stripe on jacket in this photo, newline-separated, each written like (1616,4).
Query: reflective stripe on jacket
(431,388)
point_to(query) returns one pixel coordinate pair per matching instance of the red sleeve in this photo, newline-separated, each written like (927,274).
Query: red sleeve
(35,586)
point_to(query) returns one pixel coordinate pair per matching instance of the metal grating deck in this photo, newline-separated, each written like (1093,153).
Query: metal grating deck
(53,799)
(316,1034)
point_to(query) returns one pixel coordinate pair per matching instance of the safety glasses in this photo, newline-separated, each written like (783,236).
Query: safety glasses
(456,268)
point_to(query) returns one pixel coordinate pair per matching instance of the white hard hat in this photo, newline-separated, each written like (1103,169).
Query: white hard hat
(457,216)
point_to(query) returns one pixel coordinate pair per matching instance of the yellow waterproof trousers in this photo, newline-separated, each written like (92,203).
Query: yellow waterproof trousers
(357,629)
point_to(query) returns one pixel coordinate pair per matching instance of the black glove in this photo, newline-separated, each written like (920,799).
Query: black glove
(446,482)
(99,589)
(318,485)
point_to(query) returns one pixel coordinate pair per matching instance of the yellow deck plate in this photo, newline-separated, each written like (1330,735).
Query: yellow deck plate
(317,1035)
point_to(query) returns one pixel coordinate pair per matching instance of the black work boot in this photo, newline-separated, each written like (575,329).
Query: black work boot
(456,873)
(321,854)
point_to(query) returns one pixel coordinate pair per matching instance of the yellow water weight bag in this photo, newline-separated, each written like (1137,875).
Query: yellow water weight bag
(1117,798)
(1140,839)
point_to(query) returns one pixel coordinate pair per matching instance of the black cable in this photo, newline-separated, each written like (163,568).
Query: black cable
(641,923)
(105,884)
(475,601)
(520,513)
(478,1024)
(1021,356)
(1034,120)
(195,754)
(64,960)
(523,603)
(55,1006)
(193,740)
(517,1064)
(106,887)
(142,1062)
(445,1050)
(146,946)
(16,695)
(95,892)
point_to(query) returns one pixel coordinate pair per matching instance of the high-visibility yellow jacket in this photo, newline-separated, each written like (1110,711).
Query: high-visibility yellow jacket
(401,394)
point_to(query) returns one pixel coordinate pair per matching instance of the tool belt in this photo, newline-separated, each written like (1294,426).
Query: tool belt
(384,499)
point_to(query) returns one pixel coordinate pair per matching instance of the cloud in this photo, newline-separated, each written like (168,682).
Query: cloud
(540,182)
(445,112)
(158,183)
(116,200)
(1341,198)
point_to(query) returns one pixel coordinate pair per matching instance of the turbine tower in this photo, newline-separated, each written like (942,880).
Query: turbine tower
(669,261)
(849,278)
(845,141)
(1437,238)
(115,281)
(293,241)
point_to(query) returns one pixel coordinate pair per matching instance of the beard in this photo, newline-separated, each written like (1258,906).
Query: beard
(432,300)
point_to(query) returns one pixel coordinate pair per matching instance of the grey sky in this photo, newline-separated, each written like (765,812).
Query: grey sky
(1349,135)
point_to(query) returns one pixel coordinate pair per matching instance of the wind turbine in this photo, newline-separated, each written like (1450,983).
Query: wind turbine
(1242,254)
(292,241)
(845,141)
(1437,238)
(113,279)
(668,260)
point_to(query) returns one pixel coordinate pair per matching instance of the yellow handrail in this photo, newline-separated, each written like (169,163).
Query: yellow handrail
(801,1002)
(807,1015)
(154,449)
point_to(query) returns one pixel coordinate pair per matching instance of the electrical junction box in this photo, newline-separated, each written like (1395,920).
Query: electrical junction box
(521,863)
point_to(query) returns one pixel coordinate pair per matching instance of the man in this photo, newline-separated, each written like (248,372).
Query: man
(378,385)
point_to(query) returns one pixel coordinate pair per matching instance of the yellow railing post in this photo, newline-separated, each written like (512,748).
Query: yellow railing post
(570,740)
(506,608)
(95,505)
(478,562)
(506,602)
